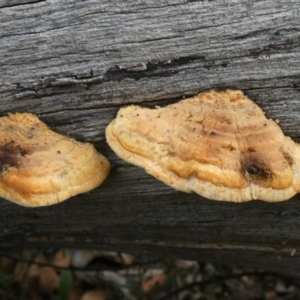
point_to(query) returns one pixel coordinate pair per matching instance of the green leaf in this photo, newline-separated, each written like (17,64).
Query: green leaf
(65,285)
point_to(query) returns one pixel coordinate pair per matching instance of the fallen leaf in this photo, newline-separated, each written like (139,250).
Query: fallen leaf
(48,280)
(96,294)
(149,283)
(127,259)
(62,259)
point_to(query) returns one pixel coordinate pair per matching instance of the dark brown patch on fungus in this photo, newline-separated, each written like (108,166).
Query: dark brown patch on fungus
(253,169)
(8,156)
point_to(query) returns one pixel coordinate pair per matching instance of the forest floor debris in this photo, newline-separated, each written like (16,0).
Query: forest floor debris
(101,275)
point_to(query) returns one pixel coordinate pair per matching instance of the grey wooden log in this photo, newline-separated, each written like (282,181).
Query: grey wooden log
(75,63)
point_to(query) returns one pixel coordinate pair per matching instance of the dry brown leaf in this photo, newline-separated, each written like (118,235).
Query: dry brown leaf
(149,283)
(62,259)
(48,280)
(33,271)
(127,259)
(96,294)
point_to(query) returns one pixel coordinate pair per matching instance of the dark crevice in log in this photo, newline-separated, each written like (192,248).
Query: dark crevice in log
(16,3)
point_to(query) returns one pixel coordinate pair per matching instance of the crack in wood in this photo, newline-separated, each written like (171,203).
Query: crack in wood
(152,69)
(14,3)
(70,241)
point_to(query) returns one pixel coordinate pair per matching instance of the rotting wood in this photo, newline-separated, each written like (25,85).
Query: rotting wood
(76,62)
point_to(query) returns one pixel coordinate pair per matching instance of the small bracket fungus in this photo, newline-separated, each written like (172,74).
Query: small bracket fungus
(40,167)
(219,145)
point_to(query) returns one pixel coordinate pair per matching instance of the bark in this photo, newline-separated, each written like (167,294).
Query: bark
(74,63)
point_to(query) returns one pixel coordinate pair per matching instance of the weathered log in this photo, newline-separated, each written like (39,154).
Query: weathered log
(74,63)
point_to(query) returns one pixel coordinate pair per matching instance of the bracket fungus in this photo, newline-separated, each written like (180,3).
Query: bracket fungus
(39,167)
(217,144)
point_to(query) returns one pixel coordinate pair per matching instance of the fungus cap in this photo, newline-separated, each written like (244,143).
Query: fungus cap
(217,144)
(40,167)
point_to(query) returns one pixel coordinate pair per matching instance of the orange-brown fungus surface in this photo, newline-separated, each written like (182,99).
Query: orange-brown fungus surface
(40,167)
(217,144)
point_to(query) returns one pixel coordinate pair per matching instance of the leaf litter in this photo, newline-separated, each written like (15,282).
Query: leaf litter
(101,275)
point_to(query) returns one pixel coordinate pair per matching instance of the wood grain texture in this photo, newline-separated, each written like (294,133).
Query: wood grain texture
(75,63)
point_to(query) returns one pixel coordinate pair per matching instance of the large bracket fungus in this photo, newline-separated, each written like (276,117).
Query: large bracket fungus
(40,167)
(219,145)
